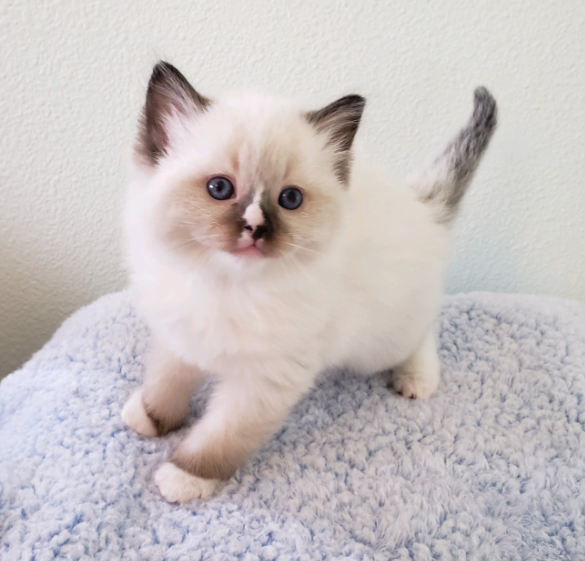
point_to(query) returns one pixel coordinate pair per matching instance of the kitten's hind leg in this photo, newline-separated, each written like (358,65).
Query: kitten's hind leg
(162,403)
(418,376)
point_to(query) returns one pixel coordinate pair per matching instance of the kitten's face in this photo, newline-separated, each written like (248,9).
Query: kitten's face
(245,182)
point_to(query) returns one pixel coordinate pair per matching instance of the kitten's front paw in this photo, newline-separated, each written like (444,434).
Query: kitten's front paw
(178,486)
(134,416)
(412,386)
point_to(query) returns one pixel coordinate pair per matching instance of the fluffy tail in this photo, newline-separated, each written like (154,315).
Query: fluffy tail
(443,185)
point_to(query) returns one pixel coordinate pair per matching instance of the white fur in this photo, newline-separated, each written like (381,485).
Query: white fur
(135,417)
(253,215)
(367,304)
(178,486)
(366,300)
(418,377)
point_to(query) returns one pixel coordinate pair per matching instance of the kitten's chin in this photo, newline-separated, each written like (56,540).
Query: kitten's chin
(247,261)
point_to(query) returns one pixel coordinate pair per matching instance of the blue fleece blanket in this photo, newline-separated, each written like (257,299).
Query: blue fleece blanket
(491,467)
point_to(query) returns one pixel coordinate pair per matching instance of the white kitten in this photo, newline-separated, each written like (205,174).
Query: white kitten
(260,255)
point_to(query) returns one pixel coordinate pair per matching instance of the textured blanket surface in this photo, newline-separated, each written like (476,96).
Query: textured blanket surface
(491,467)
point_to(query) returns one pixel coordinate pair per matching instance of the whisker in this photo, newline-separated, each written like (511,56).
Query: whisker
(199,239)
(304,248)
(208,237)
(192,241)
(302,269)
(191,224)
(284,262)
(183,244)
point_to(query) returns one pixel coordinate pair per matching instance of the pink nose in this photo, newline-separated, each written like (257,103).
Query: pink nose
(257,222)
(258,232)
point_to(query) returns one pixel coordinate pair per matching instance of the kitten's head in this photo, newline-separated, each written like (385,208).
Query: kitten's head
(243,182)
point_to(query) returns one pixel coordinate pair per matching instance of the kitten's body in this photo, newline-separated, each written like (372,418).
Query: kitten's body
(381,276)
(359,288)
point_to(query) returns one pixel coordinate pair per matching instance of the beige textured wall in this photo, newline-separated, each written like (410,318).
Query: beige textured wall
(73,75)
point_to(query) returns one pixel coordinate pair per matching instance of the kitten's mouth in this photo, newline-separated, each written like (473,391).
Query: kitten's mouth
(250,250)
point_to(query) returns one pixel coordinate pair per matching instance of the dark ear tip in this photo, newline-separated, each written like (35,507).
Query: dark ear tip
(162,69)
(354,100)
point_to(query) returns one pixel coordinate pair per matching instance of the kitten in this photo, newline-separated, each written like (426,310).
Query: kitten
(260,254)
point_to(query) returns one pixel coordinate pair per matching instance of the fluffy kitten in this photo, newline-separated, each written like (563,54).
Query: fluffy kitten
(259,254)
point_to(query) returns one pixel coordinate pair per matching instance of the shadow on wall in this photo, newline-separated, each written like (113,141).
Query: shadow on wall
(481,252)
(37,296)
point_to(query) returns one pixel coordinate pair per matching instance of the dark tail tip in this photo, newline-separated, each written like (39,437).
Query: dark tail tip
(485,108)
(445,182)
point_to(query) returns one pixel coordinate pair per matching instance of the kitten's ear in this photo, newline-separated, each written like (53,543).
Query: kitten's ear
(340,121)
(169,96)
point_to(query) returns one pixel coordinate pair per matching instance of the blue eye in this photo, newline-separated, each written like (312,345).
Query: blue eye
(220,188)
(290,198)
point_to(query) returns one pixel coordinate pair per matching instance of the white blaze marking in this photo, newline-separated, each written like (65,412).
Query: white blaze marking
(254,215)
